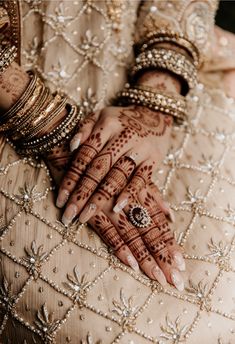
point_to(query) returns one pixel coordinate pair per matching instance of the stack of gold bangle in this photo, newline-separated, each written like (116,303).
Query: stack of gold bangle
(26,123)
(168,103)
(177,39)
(7,56)
(166,59)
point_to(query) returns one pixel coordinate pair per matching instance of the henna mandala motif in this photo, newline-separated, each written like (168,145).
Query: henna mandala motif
(144,121)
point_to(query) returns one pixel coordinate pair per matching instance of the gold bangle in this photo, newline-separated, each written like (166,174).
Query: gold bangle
(170,104)
(8,117)
(171,37)
(169,60)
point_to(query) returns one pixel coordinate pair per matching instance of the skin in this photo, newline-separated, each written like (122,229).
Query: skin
(133,247)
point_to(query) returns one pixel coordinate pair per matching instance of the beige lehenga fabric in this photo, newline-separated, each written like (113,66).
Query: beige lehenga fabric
(62,285)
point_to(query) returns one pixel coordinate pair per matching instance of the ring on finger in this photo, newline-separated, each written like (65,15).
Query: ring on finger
(139,216)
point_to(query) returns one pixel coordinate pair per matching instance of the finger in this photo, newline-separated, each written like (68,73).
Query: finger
(114,182)
(84,131)
(174,249)
(164,205)
(139,181)
(82,159)
(158,237)
(133,240)
(96,171)
(105,229)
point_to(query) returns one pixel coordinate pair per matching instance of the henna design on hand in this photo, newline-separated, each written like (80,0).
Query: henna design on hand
(144,121)
(137,126)
(107,231)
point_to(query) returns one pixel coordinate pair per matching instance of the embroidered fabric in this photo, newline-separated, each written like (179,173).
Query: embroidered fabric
(63,285)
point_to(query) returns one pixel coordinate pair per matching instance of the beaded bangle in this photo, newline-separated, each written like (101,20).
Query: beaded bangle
(171,37)
(33,114)
(47,142)
(170,103)
(7,56)
(169,60)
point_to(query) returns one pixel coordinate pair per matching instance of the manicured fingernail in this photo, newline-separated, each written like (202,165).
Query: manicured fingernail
(179,260)
(120,205)
(177,280)
(169,211)
(166,206)
(75,142)
(87,213)
(62,198)
(171,216)
(69,214)
(159,275)
(133,263)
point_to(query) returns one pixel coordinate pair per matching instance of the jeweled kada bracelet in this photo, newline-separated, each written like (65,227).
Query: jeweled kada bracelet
(165,59)
(171,104)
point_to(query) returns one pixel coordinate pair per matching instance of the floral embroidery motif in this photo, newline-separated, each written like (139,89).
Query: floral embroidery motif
(78,285)
(173,331)
(34,259)
(46,324)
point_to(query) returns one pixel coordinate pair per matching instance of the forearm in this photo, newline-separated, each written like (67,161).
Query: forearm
(13,82)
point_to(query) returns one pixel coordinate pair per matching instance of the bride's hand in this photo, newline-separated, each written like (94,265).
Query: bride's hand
(120,148)
(153,249)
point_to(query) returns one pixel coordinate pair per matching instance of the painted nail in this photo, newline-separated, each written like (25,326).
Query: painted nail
(179,260)
(132,262)
(69,214)
(166,206)
(87,213)
(177,280)
(120,205)
(62,198)
(171,216)
(159,275)
(75,142)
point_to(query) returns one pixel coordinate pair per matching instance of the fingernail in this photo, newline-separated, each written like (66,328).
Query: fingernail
(75,142)
(87,213)
(166,206)
(171,216)
(177,280)
(133,263)
(159,275)
(179,260)
(120,205)
(69,214)
(62,198)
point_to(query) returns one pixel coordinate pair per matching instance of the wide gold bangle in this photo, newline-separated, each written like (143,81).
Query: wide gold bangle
(168,103)
(166,59)
(176,38)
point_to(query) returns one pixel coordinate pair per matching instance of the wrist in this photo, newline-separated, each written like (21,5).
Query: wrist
(160,81)
(13,83)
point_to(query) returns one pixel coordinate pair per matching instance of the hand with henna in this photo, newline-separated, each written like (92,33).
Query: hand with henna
(120,149)
(153,248)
